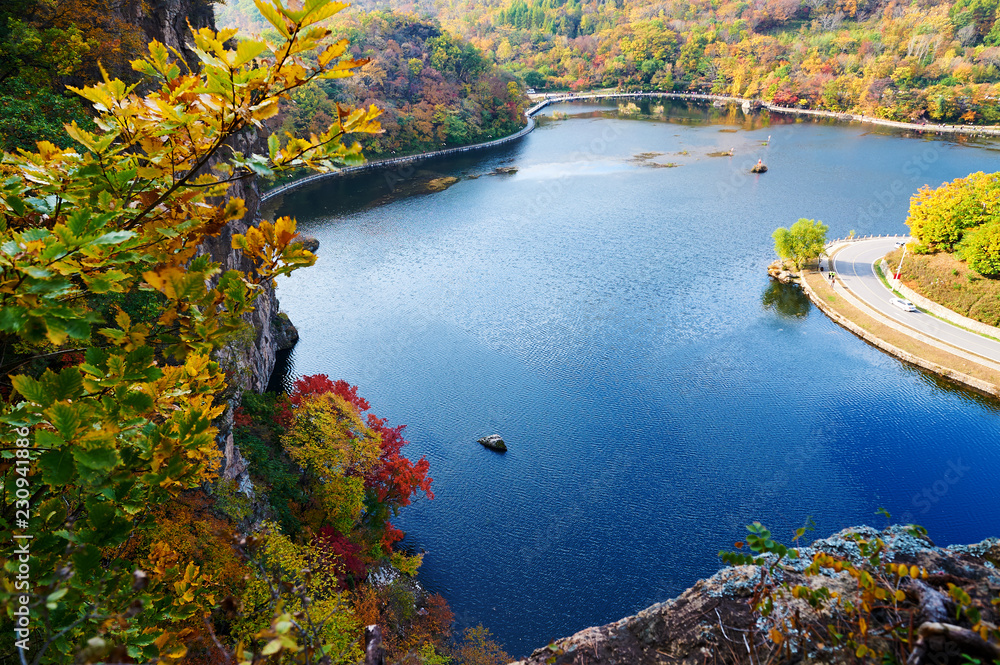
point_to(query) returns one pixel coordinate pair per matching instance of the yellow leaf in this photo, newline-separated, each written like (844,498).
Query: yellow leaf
(274,646)
(266,109)
(914,571)
(332,51)
(123,320)
(268,11)
(776,636)
(900,596)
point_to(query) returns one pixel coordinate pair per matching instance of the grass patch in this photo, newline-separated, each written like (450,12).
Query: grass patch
(951,283)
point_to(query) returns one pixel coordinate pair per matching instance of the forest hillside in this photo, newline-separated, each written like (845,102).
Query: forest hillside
(919,60)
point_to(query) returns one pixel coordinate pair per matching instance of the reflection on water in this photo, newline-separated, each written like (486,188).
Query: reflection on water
(786,299)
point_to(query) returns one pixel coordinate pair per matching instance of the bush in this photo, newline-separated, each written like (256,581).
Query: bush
(981,249)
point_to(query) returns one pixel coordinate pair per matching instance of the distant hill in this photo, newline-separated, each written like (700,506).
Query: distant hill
(919,60)
(436,90)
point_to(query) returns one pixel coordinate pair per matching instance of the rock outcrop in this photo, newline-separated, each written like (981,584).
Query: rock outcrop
(285,334)
(494,442)
(713,621)
(783,271)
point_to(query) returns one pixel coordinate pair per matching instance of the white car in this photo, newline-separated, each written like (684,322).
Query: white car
(899,243)
(904,305)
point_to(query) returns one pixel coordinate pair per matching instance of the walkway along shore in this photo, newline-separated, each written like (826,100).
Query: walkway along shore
(885,334)
(408,159)
(991,130)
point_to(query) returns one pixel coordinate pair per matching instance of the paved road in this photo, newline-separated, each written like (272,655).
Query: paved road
(853,265)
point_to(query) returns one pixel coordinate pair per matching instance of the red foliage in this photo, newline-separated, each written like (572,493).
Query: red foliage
(395,479)
(71,359)
(390,536)
(785,98)
(334,543)
(318,384)
(283,411)
(242,419)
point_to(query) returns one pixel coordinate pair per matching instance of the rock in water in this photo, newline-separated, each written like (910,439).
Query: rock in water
(494,442)
(285,334)
(309,243)
(441,184)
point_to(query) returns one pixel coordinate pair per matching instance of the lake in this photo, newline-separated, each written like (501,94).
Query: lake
(606,310)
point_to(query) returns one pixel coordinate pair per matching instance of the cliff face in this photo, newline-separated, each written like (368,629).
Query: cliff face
(167,21)
(712,622)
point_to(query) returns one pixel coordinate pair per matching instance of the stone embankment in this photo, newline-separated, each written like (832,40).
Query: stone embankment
(903,342)
(713,621)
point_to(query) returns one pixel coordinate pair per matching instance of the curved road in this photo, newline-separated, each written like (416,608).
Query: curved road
(853,265)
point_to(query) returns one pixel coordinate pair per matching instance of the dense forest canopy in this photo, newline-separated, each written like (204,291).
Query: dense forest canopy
(924,60)
(436,90)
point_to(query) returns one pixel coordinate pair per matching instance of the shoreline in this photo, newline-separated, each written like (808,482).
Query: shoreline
(991,130)
(983,130)
(401,161)
(913,349)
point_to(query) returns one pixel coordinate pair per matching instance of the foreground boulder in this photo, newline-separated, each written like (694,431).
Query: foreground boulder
(715,621)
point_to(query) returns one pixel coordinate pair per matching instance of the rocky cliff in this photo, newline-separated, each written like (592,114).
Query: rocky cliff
(713,621)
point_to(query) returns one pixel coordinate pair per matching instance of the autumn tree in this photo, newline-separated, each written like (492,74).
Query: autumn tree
(981,249)
(803,242)
(939,217)
(358,472)
(108,415)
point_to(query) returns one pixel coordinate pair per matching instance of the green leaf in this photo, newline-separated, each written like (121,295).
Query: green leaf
(77,222)
(57,467)
(137,401)
(78,328)
(101,514)
(31,390)
(273,145)
(86,561)
(65,418)
(67,384)
(31,235)
(99,460)
(13,318)
(36,272)
(46,206)
(112,238)
(16,204)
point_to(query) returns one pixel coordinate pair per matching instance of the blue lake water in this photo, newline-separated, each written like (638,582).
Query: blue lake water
(613,321)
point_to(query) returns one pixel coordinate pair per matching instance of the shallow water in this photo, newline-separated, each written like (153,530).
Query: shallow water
(613,321)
